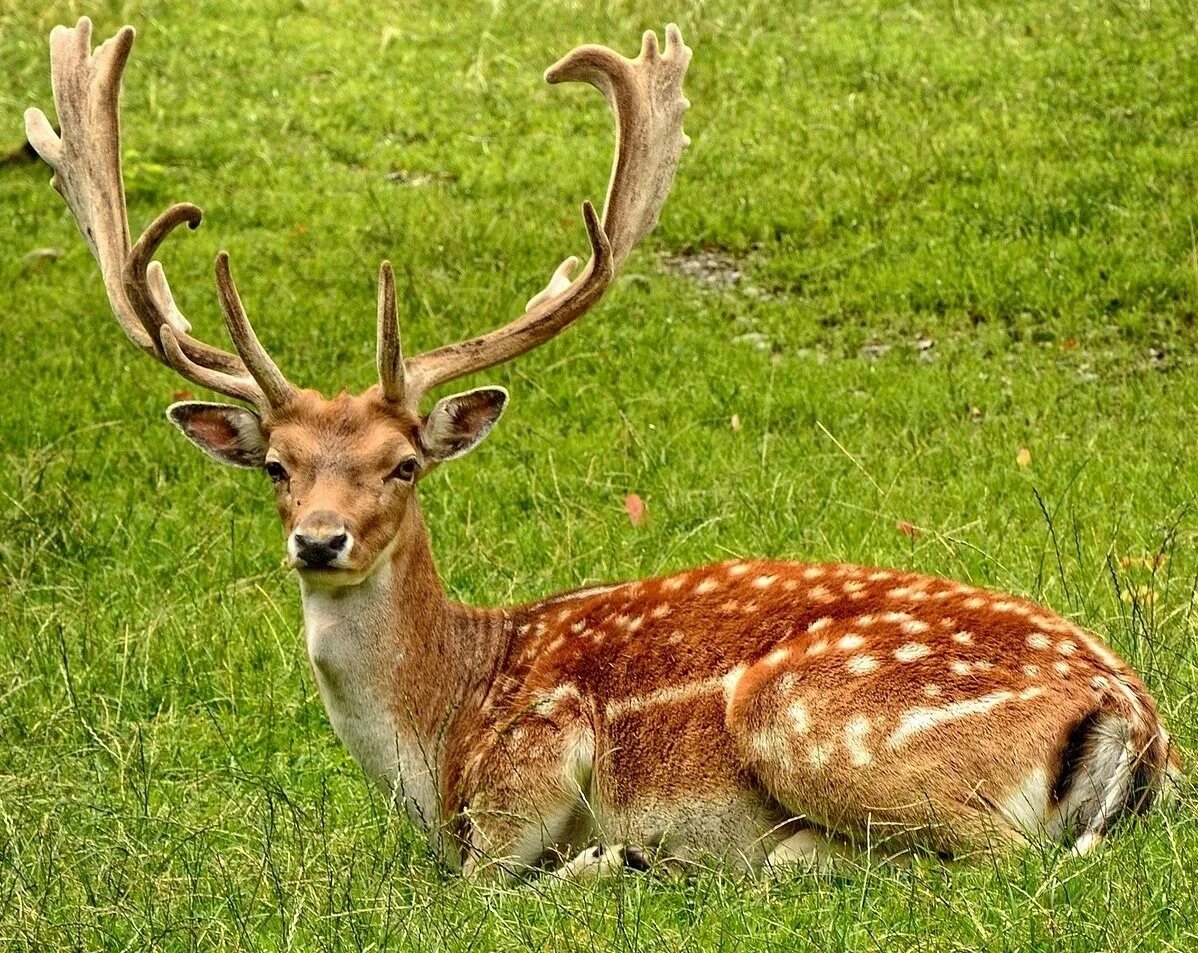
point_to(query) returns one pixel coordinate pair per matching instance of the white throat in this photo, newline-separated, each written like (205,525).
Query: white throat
(355,666)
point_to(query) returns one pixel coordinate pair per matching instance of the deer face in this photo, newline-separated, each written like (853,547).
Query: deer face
(343,470)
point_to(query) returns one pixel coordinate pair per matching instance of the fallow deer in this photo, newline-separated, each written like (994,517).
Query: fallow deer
(757,713)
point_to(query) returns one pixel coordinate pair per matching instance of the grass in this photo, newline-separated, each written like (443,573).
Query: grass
(1013,182)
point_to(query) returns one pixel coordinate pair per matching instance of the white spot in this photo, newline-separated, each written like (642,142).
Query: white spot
(634,624)
(911,651)
(917,720)
(854,741)
(818,755)
(660,611)
(817,647)
(960,668)
(820,594)
(1002,605)
(853,587)
(764,582)
(813,572)
(789,585)
(819,624)
(1099,682)
(983,666)
(777,657)
(974,602)
(1031,671)
(564,616)
(1061,668)
(579,627)
(948,622)
(880,575)
(1066,647)
(1032,691)
(1038,641)
(865,620)
(963,637)
(899,592)
(730,605)
(895,618)
(738,570)
(555,644)
(768,744)
(914,627)
(673,583)
(932,690)
(848,643)
(800,720)
(706,585)
(862,664)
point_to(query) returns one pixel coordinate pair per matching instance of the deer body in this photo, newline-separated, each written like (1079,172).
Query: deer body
(730,711)
(756,713)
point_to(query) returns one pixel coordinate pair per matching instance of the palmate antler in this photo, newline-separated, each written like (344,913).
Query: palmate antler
(645,95)
(86,159)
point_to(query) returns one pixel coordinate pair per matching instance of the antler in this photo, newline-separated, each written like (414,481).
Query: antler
(86,159)
(646,96)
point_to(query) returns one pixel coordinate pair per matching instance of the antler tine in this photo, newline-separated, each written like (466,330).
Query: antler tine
(390,349)
(86,159)
(645,95)
(275,387)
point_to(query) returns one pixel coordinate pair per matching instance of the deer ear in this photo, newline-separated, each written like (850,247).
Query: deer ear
(458,424)
(230,434)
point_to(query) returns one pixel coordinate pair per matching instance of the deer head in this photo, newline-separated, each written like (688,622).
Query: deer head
(344,470)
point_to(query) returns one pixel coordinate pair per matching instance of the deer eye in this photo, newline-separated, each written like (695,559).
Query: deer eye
(275,470)
(405,472)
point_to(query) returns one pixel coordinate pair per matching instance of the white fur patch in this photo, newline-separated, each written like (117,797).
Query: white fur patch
(855,732)
(862,664)
(911,651)
(918,720)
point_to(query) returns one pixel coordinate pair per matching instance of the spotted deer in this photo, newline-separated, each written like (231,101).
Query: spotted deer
(751,713)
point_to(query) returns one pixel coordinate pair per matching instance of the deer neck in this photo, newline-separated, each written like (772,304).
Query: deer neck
(397,663)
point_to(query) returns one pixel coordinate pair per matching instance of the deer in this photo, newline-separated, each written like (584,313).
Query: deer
(759,715)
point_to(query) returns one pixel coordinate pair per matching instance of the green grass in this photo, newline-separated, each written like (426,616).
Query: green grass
(1015,182)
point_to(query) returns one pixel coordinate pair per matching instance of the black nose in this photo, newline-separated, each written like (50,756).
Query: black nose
(319,549)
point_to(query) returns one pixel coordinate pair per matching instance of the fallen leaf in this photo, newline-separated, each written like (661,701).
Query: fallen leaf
(1148,562)
(908,529)
(1139,595)
(634,506)
(975,414)
(735,421)
(182,395)
(1068,344)
(1023,458)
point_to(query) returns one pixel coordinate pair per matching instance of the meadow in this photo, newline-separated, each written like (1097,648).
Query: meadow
(924,296)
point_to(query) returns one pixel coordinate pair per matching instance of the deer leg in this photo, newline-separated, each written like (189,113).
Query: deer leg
(600,861)
(810,851)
